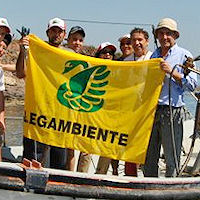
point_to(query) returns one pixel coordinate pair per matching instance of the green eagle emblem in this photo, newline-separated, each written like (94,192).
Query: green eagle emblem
(84,89)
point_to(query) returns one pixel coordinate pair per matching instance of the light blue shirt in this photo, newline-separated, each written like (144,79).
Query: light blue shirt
(176,55)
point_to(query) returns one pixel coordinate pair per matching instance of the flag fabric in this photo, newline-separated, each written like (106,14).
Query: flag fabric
(94,105)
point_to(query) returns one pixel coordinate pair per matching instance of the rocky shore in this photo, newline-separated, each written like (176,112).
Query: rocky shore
(14,93)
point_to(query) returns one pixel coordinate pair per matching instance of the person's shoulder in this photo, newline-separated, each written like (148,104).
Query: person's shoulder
(129,58)
(155,54)
(148,55)
(182,51)
(68,49)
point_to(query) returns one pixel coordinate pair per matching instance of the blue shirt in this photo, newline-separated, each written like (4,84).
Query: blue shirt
(176,55)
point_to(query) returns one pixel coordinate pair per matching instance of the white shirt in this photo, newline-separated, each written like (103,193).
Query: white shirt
(2,86)
(143,57)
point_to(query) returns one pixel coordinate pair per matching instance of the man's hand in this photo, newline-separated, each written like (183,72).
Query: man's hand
(165,66)
(24,42)
(188,64)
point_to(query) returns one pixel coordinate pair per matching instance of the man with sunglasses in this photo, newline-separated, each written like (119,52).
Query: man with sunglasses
(125,46)
(106,50)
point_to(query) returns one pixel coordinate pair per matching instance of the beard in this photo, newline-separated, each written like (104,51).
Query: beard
(55,40)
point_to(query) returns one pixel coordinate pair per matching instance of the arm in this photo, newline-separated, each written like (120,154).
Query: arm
(165,66)
(8,67)
(21,64)
(190,82)
(2,113)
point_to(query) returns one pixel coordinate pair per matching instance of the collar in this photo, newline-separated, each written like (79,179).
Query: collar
(170,51)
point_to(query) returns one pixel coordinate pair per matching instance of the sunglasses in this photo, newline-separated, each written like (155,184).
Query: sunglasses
(125,43)
(105,51)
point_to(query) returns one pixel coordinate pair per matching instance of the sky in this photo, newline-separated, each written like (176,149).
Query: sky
(36,14)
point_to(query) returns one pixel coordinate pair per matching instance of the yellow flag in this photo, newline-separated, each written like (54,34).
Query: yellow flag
(93,105)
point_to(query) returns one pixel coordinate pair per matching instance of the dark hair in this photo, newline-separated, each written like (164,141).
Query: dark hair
(140,30)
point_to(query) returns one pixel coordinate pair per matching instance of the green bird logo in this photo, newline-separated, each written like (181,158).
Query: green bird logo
(84,89)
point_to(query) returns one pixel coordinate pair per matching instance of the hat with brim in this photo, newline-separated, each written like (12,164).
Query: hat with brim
(4,22)
(77,29)
(103,46)
(57,22)
(169,24)
(106,45)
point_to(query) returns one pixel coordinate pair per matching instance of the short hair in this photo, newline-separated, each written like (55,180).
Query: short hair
(140,30)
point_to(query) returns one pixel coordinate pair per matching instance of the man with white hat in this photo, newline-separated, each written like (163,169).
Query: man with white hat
(125,46)
(4,29)
(173,56)
(56,31)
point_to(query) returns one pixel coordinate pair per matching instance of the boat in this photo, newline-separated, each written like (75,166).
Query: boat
(28,180)
(18,180)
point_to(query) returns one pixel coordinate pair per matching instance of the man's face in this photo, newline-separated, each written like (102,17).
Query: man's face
(3,31)
(166,37)
(139,43)
(56,35)
(126,47)
(3,48)
(75,42)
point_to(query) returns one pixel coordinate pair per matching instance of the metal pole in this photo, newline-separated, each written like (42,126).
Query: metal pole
(196,167)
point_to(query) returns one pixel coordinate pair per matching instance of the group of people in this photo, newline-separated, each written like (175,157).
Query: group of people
(134,47)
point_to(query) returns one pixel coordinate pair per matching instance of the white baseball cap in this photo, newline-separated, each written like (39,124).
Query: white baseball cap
(4,22)
(128,36)
(57,22)
(106,44)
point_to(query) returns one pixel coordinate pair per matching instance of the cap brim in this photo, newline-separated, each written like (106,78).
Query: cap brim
(8,28)
(55,25)
(78,31)
(113,48)
(177,33)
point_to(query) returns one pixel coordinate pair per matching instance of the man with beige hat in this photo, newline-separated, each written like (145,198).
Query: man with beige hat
(173,56)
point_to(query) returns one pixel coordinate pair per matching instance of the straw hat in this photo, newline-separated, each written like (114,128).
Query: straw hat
(168,23)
